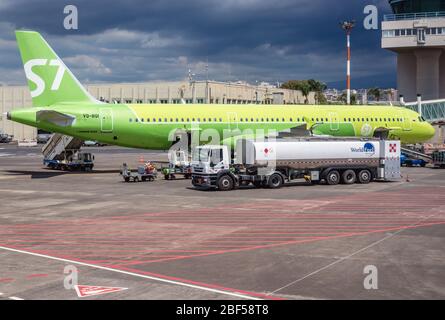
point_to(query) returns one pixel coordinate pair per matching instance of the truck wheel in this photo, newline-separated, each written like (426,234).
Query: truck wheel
(144,178)
(364,177)
(127,179)
(275,181)
(225,183)
(333,178)
(348,177)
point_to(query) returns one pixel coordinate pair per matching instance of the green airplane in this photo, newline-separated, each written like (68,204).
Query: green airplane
(61,104)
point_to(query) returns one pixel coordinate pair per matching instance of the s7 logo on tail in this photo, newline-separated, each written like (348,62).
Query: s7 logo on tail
(39,82)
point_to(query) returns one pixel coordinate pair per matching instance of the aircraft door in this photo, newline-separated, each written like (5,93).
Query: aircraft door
(232,119)
(333,121)
(106,120)
(407,123)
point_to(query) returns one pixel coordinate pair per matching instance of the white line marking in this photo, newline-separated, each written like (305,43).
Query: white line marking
(349,256)
(16,298)
(1,293)
(238,295)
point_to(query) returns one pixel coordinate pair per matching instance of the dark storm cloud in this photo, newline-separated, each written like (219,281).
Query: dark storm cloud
(139,40)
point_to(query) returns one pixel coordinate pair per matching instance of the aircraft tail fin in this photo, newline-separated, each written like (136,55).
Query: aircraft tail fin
(49,80)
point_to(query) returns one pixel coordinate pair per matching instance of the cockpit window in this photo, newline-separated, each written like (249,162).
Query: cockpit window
(421,119)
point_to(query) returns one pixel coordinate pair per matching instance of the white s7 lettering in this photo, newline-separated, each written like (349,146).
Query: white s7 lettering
(39,82)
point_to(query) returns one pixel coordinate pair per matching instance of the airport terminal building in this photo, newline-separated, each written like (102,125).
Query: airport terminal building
(184,92)
(416,33)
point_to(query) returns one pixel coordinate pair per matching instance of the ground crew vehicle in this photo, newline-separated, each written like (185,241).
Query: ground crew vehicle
(274,163)
(5,138)
(407,161)
(146,172)
(178,164)
(83,161)
(439,159)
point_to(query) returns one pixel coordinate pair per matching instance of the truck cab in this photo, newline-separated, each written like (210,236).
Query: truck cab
(210,159)
(211,167)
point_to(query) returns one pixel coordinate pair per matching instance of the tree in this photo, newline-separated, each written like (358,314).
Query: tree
(306,87)
(318,87)
(343,98)
(374,92)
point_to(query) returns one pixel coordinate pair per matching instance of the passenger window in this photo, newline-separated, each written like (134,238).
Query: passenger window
(148,119)
(136,120)
(142,119)
(131,120)
(160,120)
(290,119)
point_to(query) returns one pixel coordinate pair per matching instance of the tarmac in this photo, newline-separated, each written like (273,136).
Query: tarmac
(166,240)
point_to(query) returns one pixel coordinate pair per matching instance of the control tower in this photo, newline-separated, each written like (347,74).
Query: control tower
(416,32)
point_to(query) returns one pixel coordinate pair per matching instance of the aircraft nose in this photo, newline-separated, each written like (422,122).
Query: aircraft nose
(430,131)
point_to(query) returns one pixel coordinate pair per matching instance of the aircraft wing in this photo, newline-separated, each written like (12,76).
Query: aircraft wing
(54,117)
(298,131)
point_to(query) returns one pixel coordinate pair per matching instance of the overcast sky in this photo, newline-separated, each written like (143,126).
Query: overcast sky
(253,40)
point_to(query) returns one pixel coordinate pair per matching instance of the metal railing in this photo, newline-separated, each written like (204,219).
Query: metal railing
(430,110)
(413,16)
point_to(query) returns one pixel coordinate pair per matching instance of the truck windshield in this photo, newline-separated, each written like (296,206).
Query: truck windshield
(201,155)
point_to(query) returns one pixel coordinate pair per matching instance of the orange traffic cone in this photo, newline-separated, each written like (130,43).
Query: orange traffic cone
(141,159)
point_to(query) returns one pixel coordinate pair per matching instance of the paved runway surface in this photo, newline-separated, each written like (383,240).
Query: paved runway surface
(165,240)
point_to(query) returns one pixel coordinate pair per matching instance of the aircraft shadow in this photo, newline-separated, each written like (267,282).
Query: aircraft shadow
(54,173)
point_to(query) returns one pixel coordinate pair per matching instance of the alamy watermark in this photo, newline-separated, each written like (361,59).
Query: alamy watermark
(371,281)
(71,20)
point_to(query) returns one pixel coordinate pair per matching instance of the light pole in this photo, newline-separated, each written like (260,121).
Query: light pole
(347,26)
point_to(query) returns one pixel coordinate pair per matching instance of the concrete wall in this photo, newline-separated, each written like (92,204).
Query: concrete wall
(14,98)
(420,64)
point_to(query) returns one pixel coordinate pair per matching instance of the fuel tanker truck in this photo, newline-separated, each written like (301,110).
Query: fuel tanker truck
(274,163)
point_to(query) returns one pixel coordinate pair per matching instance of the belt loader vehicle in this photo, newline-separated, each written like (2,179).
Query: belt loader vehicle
(72,160)
(274,163)
(178,164)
